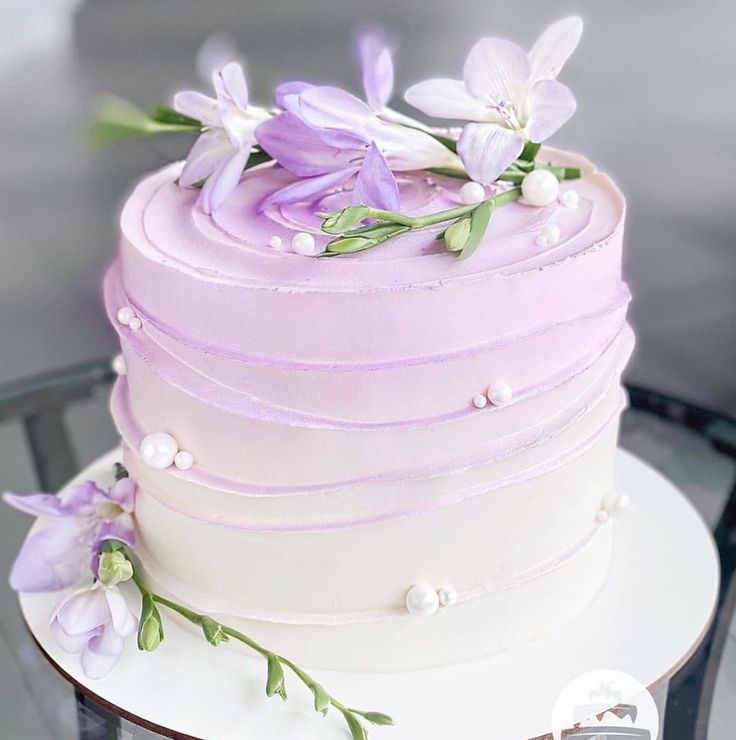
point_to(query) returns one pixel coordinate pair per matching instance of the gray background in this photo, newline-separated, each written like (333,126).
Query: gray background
(654,83)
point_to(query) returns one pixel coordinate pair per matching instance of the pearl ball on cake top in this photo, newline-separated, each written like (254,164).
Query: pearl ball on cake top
(500,394)
(158,450)
(540,188)
(276,242)
(570,199)
(549,235)
(480,401)
(472,192)
(304,243)
(135,324)
(422,600)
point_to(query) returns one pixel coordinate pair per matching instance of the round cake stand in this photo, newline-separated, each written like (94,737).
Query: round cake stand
(647,620)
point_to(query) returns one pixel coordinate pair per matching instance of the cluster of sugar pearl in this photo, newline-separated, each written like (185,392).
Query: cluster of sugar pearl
(127,317)
(423,600)
(302,243)
(160,450)
(549,235)
(499,394)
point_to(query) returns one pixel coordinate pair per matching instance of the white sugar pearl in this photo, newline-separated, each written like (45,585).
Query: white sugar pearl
(602,516)
(135,324)
(480,401)
(447,595)
(183,460)
(552,232)
(500,394)
(118,365)
(623,502)
(125,315)
(303,243)
(276,242)
(472,192)
(422,600)
(158,450)
(540,188)
(570,199)
(542,241)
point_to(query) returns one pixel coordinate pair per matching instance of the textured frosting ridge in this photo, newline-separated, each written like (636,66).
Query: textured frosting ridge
(328,402)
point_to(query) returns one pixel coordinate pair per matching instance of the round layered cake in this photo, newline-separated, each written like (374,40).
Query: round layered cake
(385,460)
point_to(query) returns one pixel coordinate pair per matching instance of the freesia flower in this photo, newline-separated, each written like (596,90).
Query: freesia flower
(328,136)
(220,153)
(509,96)
(80,518)
(94,622)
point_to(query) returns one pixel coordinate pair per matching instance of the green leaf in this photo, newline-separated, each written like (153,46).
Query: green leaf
(479,219)
(166,114)
(377,718)
(456,235)
(213,631)
(321,699)
(530,151)
(150,629)
(275,680)
(356,729)
(342,221)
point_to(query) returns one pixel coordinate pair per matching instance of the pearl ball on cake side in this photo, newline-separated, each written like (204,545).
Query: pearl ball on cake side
(500,393)
(158,450)
(540,188)
(125,315)
(480,401)
(183,460)
(422,600)
(118,365)
(447,595)
(472,192)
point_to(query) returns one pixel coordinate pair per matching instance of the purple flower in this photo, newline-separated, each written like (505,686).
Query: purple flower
(94,622)
(510,97)
(221,152)
(80,518)
(327,136)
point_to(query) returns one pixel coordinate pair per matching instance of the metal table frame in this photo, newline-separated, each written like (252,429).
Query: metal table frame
(41,402)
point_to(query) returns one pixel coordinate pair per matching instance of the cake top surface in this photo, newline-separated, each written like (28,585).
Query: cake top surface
(244,243)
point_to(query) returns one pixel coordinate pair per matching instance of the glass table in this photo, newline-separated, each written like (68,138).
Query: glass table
(694,447)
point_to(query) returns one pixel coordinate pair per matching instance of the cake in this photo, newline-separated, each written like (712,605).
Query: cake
(371,401)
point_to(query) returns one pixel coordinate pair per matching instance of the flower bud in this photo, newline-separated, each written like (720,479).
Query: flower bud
(150,630)
(340,222)
(114,568)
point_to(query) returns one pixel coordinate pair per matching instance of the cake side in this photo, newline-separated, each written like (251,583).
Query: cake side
(330,410)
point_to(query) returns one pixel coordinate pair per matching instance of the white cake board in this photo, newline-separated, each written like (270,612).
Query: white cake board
(654,609)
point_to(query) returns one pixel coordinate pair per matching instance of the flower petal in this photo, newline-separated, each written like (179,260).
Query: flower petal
(72,643)
(221,183)
(554,47)
(409,149)
(36,504)
(83,611)
(76,500)
(376,185)
(121,619)
(325,107)
(487,150)
(551,104)
(286,93)
(378,70)
(208,152)
(196,105)
(497,71)
(230,84)
(305,151)
(443,98)
(101,654)
(307,188)
(48,560)
(123,493)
